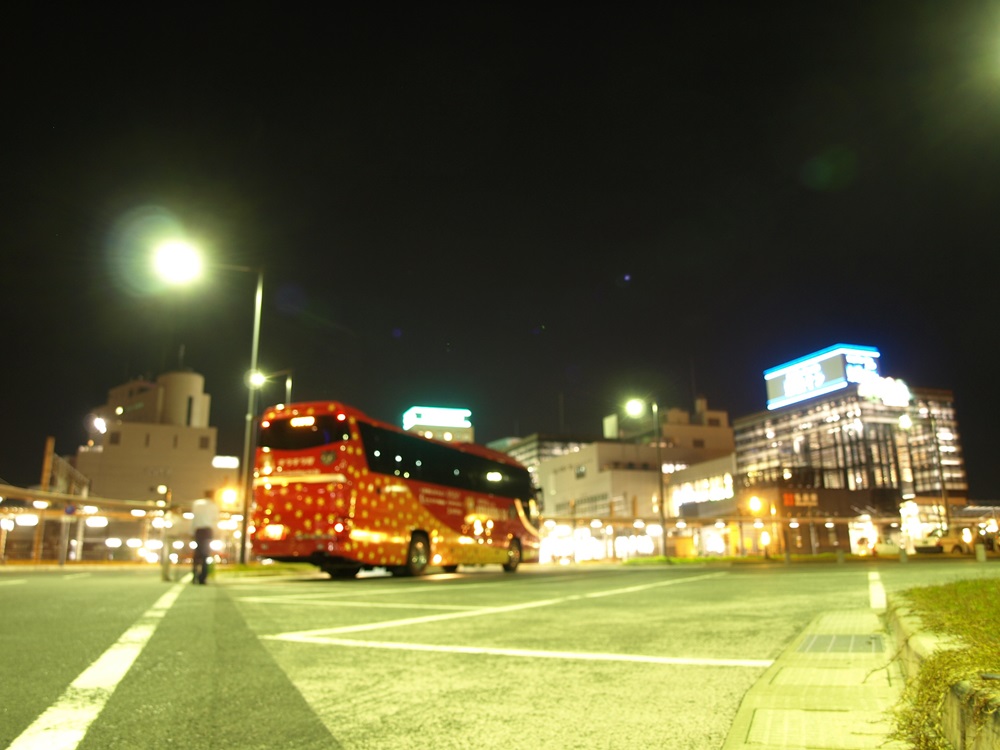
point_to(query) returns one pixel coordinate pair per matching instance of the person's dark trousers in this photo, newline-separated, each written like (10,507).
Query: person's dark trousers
(202,551)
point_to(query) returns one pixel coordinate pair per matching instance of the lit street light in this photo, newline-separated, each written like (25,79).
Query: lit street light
(259,379)
(180,262)
(635,408)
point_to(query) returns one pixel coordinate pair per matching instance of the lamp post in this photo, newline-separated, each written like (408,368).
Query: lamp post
(634,408)
(180,262)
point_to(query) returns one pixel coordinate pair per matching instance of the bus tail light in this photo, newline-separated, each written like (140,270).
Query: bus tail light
(274,532)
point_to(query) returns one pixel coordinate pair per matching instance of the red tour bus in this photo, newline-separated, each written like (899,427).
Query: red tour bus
(345,492)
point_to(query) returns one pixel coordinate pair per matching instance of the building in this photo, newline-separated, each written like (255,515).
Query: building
(440,423)
(532,450)
(154,437)
(844,456)
(610,489)
(685,438)
(152,442)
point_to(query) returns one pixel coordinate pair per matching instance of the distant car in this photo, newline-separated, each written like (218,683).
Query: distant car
(953,542)
(886,548)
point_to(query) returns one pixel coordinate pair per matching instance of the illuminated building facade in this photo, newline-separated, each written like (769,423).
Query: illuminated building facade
(603,498)
(440,423)
(851,451)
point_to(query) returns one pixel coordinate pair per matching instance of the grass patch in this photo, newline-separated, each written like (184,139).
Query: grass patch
(966,613)
(260,569)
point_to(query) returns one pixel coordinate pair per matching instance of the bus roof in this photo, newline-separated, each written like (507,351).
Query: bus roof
(327,407)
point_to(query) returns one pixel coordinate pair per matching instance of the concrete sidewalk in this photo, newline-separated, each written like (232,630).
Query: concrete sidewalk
(832,689)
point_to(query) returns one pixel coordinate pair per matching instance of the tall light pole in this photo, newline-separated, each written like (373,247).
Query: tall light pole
(634,408)
(180,262)
(248,430)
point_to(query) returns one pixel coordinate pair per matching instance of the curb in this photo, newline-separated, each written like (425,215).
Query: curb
(957,721)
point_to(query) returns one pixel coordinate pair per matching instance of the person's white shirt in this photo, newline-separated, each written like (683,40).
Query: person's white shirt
(205,514)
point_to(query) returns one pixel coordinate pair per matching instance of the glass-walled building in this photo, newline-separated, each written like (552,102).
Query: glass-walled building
(841,442)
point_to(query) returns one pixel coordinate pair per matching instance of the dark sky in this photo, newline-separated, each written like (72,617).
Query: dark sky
(530,210)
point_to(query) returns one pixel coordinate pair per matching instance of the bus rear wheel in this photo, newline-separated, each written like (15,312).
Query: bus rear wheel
(513,556)
(417,556)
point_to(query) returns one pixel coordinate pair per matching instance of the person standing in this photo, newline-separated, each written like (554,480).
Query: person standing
(205,515)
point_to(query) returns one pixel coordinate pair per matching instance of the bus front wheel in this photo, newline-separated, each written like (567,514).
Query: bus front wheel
(417,556)
(513,556)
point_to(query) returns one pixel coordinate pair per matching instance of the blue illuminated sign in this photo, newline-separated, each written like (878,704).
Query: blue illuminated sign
(821,372)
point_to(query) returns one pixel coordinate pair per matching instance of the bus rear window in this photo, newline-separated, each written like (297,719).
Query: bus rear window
(298,434)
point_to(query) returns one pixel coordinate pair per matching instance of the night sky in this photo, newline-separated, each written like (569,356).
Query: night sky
(530,210)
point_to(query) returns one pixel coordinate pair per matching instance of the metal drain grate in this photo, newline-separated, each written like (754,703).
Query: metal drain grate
(854,644)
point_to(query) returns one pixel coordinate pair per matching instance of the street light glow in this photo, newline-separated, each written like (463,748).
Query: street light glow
(178,262)
(635,407)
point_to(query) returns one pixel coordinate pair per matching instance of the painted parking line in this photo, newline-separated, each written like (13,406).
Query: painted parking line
(65,722)
(876,591)
(342,603)
(528,653)
(483,611)
(417,588)
(655,584)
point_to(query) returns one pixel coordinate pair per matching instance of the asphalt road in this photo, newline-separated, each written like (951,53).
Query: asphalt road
(550,657)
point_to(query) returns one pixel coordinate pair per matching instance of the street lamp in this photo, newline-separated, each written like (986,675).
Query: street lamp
(258,379)
(180,262)
(635,408)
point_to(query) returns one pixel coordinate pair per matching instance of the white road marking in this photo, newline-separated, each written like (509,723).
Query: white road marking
(490,610)
(65,722)
(876,591)
(643,587)
(324,636)
(422,620)
(341,603)
(421,588)
(527,653)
